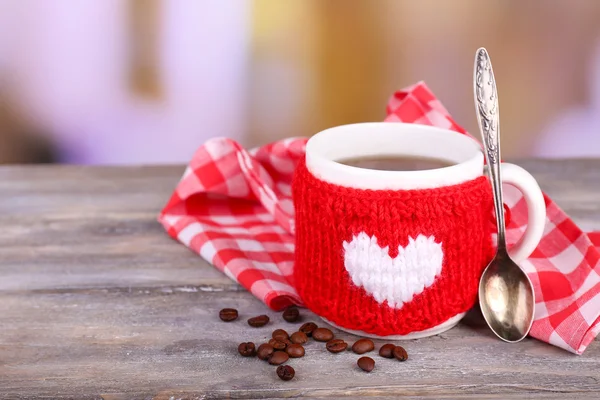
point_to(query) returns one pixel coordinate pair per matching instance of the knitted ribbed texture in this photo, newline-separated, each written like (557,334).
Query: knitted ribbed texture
(390,262)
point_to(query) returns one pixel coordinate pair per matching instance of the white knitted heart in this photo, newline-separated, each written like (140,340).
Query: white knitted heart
(395,280)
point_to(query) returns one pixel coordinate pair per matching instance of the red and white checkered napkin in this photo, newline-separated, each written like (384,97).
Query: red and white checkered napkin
(234,208)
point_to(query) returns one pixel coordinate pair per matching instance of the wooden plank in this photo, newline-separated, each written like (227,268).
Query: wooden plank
(81,227)
(110,251)
(573,184)
(144,343)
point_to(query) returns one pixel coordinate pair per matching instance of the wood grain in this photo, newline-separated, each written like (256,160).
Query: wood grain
(96,301)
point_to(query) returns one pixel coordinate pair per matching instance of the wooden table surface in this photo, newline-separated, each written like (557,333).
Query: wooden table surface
(96,301)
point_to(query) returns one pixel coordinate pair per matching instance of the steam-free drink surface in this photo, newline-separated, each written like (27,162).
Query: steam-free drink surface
(395,163)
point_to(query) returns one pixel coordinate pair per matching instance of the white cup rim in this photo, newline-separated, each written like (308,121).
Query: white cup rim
(391,138)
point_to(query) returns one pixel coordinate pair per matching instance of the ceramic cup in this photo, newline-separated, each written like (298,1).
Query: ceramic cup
(398,254)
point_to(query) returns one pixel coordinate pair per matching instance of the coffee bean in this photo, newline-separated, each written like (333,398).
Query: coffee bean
(400,353)
(228,314)
(366,364)
(295,350)
(387,350)
(363,346)
(322,335)
(291,314)
(280,334)
(299,337)
(285,372)
(278,345)
(247,349)
(264,351)
(257,322)
(308,328)
(278,357)
(336,345)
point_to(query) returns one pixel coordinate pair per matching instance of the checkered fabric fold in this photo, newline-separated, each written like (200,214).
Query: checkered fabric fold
(234,208)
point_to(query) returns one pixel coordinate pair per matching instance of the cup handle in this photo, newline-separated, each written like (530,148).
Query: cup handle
(536,209)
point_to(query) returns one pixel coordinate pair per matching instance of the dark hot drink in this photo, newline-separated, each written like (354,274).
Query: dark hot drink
(395,163)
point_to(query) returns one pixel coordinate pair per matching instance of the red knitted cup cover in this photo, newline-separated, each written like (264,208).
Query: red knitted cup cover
(390,262)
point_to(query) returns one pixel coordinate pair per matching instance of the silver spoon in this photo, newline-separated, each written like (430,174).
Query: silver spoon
(505,292)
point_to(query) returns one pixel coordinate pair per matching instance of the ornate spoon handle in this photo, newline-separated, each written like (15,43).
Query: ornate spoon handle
(486,99)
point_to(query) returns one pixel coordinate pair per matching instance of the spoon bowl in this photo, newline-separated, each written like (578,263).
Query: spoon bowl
(505,296)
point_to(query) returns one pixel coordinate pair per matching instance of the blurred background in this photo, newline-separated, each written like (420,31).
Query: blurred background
(148,81)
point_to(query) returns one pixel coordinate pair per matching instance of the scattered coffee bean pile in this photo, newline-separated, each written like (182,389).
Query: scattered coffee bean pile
(282,346)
